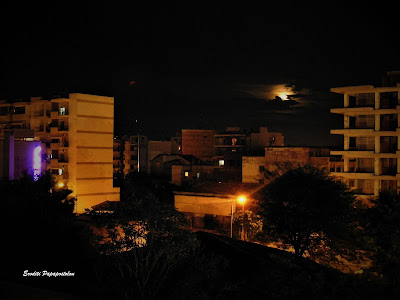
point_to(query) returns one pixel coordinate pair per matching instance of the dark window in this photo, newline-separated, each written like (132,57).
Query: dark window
(19,110)
(261,169)
(4,111)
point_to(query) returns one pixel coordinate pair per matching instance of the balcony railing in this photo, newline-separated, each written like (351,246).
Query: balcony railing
(364,170)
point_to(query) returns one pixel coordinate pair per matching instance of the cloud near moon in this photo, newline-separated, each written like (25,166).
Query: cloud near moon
(272,92)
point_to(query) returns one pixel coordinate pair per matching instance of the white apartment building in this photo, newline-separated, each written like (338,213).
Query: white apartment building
(371,156)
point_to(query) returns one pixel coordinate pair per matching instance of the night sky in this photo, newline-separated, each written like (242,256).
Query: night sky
(201,65)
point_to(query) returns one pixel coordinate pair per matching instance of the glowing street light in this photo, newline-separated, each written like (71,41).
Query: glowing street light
(242,200)
(60,184)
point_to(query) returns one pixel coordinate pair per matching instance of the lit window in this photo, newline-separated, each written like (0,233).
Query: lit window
(60,171)
(62,111)
(186,174)
(221,162)
(198,175)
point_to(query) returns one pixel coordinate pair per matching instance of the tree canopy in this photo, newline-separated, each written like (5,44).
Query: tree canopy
(382,226)
(145,238)
(305,207)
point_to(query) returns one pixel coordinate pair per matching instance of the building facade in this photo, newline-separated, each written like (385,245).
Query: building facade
(77,134)
(278,158)
(20,153)
(371,157)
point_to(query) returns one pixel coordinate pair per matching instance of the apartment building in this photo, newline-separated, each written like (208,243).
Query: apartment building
(371,137)
(135,154)
(77,133)
(126,154)
(279,158)
(198,142)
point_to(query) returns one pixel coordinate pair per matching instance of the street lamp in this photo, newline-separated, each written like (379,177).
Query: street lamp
(242,200)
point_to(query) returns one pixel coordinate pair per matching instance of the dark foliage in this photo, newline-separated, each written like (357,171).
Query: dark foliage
(31,202)
(305,207)
(382,226)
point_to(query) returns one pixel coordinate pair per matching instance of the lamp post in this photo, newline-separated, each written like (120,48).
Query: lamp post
(231,218)
(242,200)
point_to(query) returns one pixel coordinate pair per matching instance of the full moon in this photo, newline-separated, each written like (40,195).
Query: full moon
(283,96)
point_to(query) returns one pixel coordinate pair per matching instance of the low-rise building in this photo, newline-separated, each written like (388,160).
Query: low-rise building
(215,201)
(280,158)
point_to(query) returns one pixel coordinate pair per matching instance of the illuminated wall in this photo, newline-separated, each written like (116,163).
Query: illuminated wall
(17,157)
(90,151)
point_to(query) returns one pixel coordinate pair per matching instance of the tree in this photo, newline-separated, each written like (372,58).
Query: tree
(249,221)
(305,208)
(26,200)
(382,227)
(144,240)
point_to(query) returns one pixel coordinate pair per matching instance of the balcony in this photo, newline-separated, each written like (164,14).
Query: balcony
(388,148)
(63,128)
(362,192)
(64,144)
(352,111)
(392,171)
(353,175)
(63,160)
(38,114)
(353,131)
(389,100)
(63,112)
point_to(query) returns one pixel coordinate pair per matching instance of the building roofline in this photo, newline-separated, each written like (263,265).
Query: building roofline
(344,89)
(363,89)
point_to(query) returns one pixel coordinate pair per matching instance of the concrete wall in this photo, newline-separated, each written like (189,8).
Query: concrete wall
(251,168)
(91,126)
(264,138)
(155,148)
(204,204)
(199,143)
(17,157)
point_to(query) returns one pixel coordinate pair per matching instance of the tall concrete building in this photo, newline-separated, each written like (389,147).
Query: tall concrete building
(135,154)
(77,133)
(371,157)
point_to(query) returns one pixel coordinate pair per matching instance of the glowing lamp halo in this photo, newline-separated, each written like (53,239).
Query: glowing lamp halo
(242,199)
